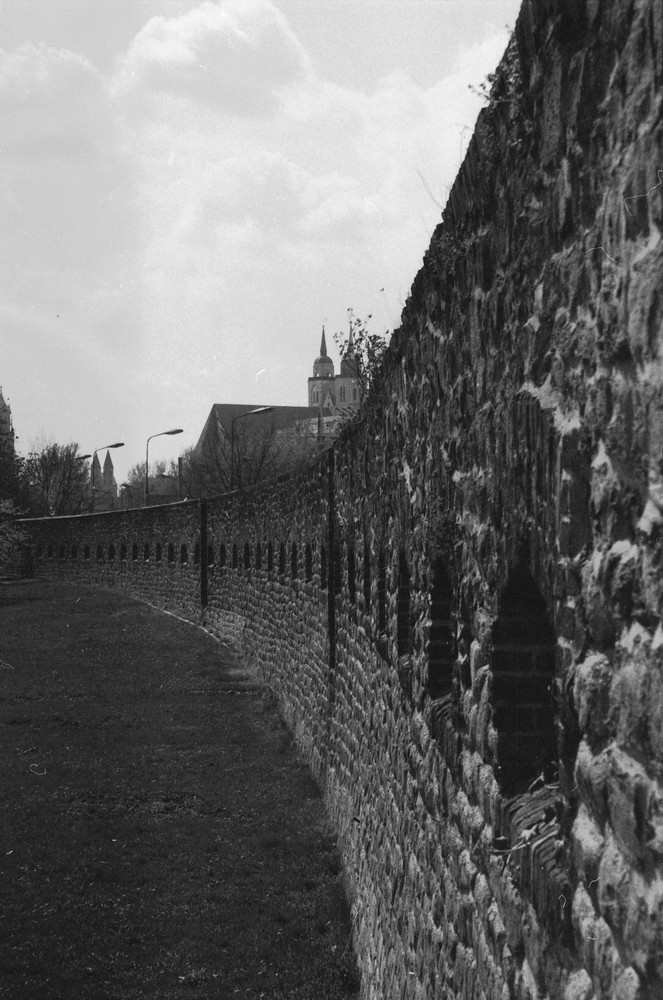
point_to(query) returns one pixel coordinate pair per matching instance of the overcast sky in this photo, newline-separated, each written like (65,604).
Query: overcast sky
(190,190)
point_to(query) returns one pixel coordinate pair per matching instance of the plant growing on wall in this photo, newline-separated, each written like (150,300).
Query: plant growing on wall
(366,347)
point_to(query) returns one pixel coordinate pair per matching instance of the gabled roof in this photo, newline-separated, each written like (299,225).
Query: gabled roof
(219,422)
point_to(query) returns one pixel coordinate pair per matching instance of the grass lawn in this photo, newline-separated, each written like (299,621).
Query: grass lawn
(159,835)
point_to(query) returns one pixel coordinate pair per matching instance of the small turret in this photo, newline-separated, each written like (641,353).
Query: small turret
(349,361)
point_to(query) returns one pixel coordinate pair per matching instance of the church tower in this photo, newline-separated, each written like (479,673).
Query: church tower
(6,430)
(347,386)
(108,484)
(322,382)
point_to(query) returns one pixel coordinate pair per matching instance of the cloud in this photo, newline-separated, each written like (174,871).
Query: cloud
(233,57)
(176,226)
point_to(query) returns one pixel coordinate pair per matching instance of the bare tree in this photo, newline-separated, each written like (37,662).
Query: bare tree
(258,455)
(56,479)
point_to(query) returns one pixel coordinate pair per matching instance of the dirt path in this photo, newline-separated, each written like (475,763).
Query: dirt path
(159,837)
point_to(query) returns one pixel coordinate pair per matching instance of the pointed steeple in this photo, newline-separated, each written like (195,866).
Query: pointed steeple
(323,366)
(108,484)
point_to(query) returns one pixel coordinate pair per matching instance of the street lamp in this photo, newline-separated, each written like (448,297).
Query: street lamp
(240,416)
(177,430)
(118,444)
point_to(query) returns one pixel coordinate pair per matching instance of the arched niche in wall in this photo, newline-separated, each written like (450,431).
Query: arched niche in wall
(111,553)
(367,576)
(403,623)
(196,553)
(61,552)
(352,575)
(308,563)
(74,552)
(282,559)
(247,556)
(123,552)
(441,644)
(336,567)
(146,553)
(134,552)
(222,555)
(100,554)
(270,557)
(234,565)
(382,592)
(523,669)
(324,570)
(210,555)
(294,563)
(404,629)
(157,552)
(258,555)
(184,554)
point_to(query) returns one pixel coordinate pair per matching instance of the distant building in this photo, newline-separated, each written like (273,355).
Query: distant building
(331,400)
(104,484)
(338,396)
(7,436)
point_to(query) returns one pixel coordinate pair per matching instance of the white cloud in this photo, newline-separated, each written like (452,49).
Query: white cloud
(174,228)
(232,56)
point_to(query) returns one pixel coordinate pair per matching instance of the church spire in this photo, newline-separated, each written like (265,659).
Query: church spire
(323,366)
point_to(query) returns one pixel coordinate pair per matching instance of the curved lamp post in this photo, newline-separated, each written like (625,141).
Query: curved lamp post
(176,430)
(118,444)
(240,416)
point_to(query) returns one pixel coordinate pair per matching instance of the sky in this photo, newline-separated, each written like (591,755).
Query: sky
(190,190)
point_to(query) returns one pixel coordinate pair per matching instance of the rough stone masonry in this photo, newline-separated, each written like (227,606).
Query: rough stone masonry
(460,605)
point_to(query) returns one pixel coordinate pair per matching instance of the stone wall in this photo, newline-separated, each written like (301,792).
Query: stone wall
(460,605)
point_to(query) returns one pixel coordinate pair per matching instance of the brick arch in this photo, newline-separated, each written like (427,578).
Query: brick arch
(323,568)
(441,644)
(366,575)
(352,573)
(403,610)
(523,667)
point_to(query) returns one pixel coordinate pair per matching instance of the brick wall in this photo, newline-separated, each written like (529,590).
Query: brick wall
(460,604)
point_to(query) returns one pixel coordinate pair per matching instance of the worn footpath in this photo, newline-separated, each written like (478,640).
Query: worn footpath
(159,836)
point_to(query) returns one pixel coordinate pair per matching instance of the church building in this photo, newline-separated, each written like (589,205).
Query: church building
(338,395)
(331,400)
